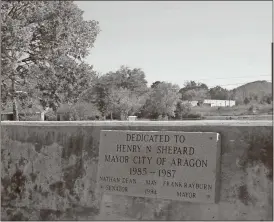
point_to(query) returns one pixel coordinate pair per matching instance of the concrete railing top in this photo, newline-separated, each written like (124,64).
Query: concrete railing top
(143,123)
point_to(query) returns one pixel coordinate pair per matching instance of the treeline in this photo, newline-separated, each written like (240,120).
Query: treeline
(44,46)
(124,92)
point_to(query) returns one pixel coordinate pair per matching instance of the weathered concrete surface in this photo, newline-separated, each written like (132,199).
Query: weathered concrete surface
(49,170)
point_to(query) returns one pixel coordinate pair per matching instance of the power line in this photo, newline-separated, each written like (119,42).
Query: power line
(230,78)
(233,84)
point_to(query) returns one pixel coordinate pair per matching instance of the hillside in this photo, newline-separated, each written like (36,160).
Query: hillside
(258,88)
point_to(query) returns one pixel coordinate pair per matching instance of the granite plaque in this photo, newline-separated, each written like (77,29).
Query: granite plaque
(160,164)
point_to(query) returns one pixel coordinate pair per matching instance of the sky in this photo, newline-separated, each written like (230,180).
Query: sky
(218,43)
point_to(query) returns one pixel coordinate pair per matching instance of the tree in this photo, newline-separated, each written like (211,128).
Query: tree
(194,91)
(68,82)
(195,94)
(84,111)
(38,37)
(162,100)
(124,102)
(218,93)
(193,85)
(121,92)
(98,95)
(267,99)
(155,84)
(124,77)
(246,101)
(182,109)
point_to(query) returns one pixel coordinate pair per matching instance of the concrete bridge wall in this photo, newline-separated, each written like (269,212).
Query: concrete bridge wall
(49,173)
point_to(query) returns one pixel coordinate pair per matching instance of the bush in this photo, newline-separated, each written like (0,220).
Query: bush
(193,116)
(80,111)
(50,116)
(246,101)
(267,99)
(182,109)
(253,109)
(29,117)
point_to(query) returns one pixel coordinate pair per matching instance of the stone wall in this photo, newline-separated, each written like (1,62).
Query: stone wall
(49,173)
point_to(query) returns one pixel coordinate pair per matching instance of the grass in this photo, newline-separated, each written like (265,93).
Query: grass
(261,109)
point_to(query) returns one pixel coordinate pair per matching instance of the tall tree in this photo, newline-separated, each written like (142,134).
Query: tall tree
(121,91)
(155,84)
(124,77)
(36,35)
(194,91)
(193,85)
(65,83)
(218,93)
(98,95)
(182,109)
(268,98)
(162,100)
(195,94)
(124,102)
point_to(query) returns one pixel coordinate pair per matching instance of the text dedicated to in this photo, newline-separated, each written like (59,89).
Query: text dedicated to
(160,164)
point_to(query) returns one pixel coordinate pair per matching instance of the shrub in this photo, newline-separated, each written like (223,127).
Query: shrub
(193,116)
(81,111)
(50,116)
(182,109)
(246,101)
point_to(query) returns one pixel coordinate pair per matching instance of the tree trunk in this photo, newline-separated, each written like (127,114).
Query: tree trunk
(122,116)
(111,117)
(14,102)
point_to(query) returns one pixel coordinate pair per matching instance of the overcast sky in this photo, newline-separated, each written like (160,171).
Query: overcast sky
(218,43)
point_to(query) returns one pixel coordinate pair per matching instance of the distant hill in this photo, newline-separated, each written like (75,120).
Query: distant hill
(258,88)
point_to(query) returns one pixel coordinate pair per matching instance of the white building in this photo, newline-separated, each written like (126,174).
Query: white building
(219,103)
(212,103)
